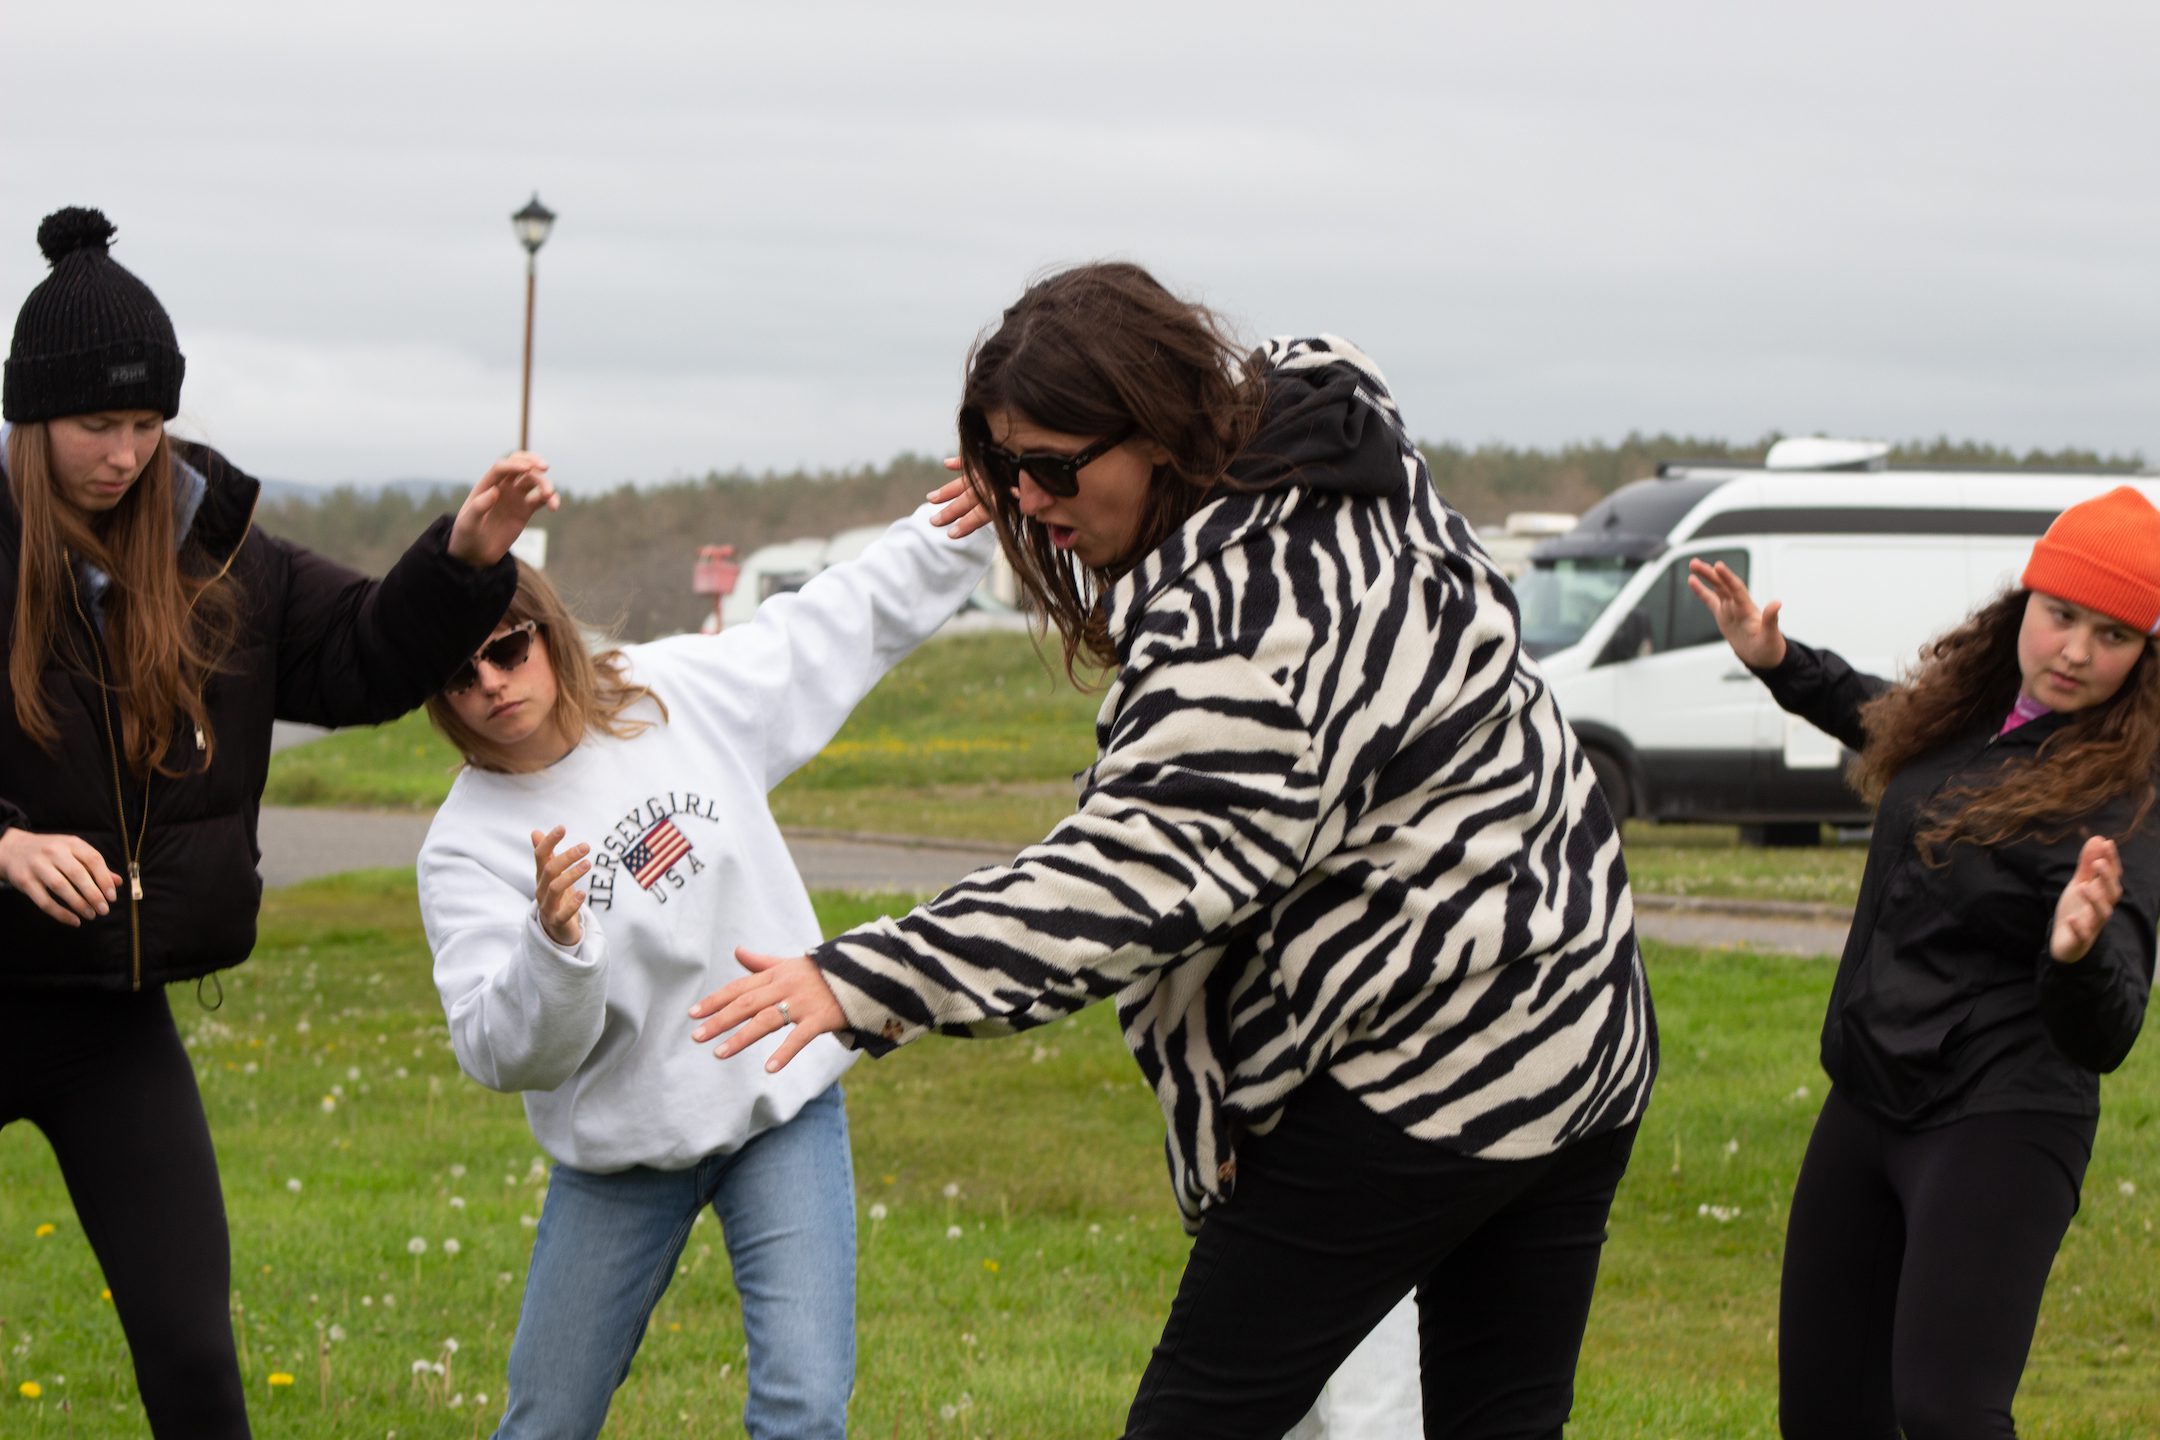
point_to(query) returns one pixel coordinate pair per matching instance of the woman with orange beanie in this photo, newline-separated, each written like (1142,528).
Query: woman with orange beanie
(1999,963)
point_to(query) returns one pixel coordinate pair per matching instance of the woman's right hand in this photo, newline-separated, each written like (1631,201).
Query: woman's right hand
(1752,632)
(63,875)
(555,892)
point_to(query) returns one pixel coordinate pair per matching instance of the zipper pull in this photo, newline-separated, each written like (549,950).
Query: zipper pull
(201,742)
(135,879)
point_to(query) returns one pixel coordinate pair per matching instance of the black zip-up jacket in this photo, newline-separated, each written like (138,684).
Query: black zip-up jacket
(317,643)
(1947,1002)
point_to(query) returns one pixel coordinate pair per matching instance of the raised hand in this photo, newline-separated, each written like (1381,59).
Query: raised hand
(1751,631)
(494,514)
(964,511)
(2086,901)
(778,991)
(555,892)
(63,875)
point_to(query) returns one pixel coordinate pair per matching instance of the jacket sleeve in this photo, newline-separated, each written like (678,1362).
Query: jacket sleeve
(1197,815)
(355,651)
(2094,1007)
(524,1012)
(781,686)
(1819,687)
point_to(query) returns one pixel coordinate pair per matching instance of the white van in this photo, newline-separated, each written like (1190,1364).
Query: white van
(1869,559)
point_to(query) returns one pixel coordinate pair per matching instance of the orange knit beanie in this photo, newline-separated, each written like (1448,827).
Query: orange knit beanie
(2103,554)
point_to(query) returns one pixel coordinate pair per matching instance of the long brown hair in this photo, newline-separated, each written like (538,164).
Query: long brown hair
(593,692)
(1969,677)
(1103,349)
(166,630)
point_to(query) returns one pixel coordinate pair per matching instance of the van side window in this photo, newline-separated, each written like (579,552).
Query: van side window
(1668,616)
(1691,622)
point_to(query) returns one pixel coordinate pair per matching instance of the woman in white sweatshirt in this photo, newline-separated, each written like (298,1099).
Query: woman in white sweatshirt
(643,772)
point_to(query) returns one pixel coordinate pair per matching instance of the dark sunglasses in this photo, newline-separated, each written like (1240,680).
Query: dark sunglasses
(1058,475)
(504,652)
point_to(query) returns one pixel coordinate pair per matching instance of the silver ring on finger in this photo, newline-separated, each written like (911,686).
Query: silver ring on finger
(785,1018)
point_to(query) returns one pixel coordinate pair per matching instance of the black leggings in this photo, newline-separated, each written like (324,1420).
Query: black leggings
(1914,1264)
(107,1080)
(1337,1216)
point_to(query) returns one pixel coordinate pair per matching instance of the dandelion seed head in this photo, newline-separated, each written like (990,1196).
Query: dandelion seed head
(451,1246)
(878,1211)
(415,1246)
(952,1232)
(952,1189)
(2127,1189)
(293,1185)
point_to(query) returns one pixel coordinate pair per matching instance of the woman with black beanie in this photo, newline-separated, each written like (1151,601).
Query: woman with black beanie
(153,635)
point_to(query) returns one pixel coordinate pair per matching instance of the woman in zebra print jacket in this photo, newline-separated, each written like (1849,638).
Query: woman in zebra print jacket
(1339,858)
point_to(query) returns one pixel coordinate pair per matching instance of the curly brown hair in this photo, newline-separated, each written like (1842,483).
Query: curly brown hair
(1104,349)
(1969,677)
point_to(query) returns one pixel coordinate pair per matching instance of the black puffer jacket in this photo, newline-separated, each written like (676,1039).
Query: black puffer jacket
(317,643)
(1947,1002)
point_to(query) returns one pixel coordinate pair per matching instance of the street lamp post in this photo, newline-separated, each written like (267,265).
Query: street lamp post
(532,224)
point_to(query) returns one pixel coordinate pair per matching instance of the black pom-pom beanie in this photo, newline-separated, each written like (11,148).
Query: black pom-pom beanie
(91,336)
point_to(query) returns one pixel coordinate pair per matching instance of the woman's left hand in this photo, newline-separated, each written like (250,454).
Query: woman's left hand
(2086,901)
(511,493)
(751,1007)
(963,513)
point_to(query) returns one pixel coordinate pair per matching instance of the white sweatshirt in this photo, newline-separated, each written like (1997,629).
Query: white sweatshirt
(688,864)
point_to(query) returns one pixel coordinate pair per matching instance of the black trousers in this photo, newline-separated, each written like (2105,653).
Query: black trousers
(1914,1264)
(1336,1217)
(105,1077)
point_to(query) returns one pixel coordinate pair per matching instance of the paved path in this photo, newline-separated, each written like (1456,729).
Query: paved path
(301,844)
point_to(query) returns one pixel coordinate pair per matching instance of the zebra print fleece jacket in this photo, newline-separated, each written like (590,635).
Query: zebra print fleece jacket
(1336,826)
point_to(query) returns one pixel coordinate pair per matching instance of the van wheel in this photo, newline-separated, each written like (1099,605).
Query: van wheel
(1612,782)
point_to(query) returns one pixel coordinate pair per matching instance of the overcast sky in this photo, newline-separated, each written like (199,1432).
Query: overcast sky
(781,225)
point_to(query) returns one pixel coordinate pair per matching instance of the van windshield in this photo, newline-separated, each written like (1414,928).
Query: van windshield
(1561,599)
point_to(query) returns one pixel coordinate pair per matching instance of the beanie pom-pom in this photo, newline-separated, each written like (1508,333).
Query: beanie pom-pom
(65,231)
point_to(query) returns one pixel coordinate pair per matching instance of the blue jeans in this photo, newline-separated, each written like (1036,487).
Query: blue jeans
(608,1245)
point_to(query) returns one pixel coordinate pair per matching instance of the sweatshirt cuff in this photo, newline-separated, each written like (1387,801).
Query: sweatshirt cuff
(873,1026)
(588,955)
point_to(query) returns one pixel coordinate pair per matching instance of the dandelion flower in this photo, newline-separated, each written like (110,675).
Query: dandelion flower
(419,1367)
(952,1232)
(2128,1188)
(457,1202)
(337,1334)
(293,1185)
(457,1172)
(450,1345)
(105,1295)
(991,1266)
(451,1246)
(415,1246)
(952,1189)
(329,1103)
(30,1390)
(878,1212)
(279,1379)
(46,1229)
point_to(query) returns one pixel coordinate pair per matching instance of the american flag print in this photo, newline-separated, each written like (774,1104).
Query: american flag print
(655,851)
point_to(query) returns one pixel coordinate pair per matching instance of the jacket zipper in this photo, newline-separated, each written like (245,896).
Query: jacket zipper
(112,749)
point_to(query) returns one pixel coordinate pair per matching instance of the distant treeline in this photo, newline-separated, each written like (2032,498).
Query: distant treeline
(624,556)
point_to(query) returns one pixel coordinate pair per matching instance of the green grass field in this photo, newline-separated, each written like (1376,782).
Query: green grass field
(346,1134)
(974,738)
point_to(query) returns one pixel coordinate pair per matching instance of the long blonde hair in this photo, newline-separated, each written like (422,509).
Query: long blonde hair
(167,631)
(593,692)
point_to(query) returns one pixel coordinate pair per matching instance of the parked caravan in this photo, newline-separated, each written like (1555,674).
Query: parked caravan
(1870,560)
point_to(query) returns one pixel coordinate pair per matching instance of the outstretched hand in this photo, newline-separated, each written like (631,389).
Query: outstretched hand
(494,514)
(1751,631)
(964,512)
(751,1007)
(555,892)
(2086,901)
